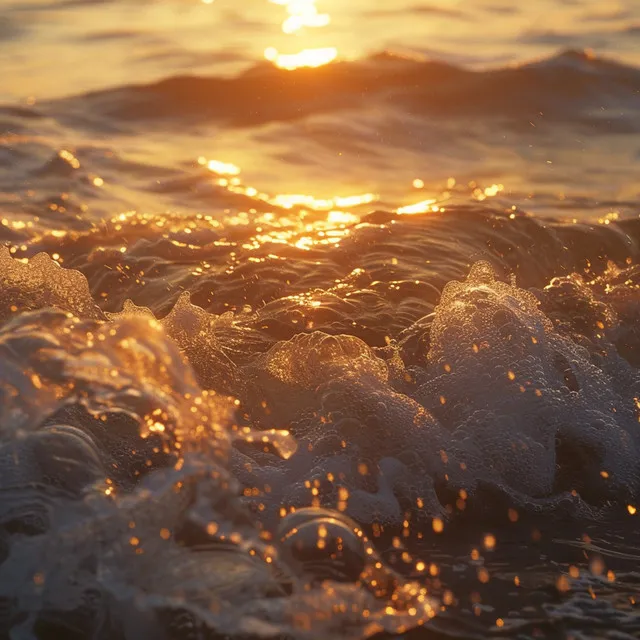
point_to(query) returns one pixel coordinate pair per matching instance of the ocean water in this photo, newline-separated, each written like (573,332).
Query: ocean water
(319,319)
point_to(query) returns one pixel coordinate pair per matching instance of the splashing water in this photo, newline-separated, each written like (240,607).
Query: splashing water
(324,327)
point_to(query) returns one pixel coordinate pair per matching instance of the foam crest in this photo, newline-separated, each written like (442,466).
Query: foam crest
(284,381)
(53,360)
(41,282)
(357,437)
(308,359)
(503,400)
(527,407)
(82,549)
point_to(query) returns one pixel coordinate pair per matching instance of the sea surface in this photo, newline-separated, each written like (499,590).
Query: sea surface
(319,319)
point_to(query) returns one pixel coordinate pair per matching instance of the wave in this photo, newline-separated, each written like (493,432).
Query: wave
(572,86)
(415,386)
(112,457)
(318,328)
(264,258)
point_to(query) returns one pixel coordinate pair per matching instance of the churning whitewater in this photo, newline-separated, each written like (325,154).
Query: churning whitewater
(326,326)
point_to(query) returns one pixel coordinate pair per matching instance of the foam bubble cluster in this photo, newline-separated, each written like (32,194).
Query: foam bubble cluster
(247,449)
(501,398)
(112,457)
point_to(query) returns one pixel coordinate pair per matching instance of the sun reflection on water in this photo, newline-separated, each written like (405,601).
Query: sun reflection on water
(419,207)
(304,58)
(305,221)
(301,13)
(333,206)
(222,168)
(301,220)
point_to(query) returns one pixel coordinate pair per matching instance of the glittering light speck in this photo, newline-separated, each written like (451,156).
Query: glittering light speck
(223,168)
(418,207)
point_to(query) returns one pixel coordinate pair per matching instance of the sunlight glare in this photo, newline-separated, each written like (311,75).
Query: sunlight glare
(333,206)
(223,168)
(305,58)
(302,13)
(418,207)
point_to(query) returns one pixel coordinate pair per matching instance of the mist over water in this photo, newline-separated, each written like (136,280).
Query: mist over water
(319,319)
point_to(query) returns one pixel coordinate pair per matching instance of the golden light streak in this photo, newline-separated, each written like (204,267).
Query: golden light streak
(341,217)
(305,58)
(334,205)
(418,207)
(223,168)
(354,201)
